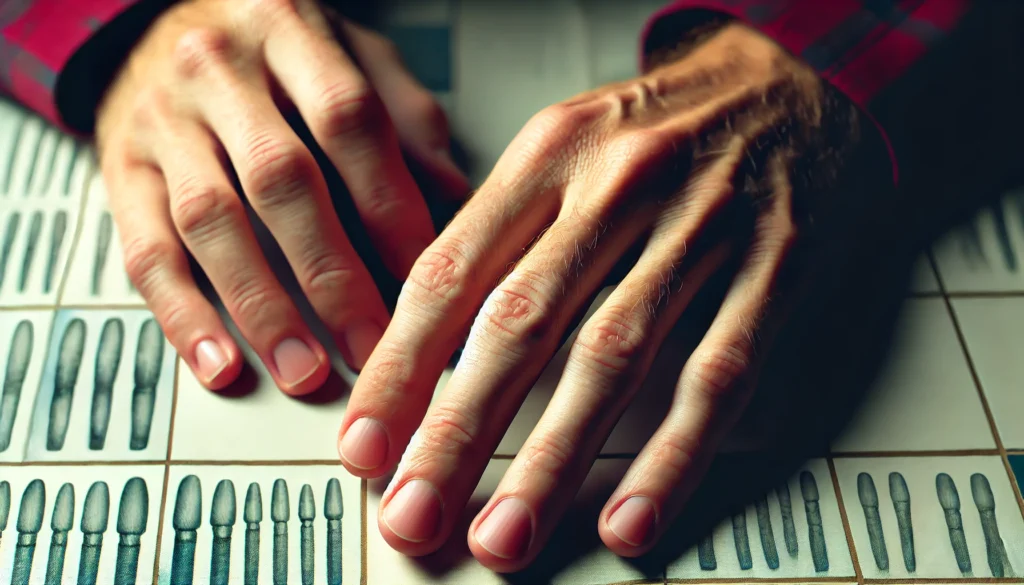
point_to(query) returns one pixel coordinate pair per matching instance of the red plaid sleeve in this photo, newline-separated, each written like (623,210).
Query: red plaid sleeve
(39,37)
(859,46)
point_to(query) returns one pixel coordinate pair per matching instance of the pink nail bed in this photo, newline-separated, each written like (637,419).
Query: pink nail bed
(414,513)
(365,444)
(633,522)
(507,531)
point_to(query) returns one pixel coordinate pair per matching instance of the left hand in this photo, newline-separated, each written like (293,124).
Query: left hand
(736,135)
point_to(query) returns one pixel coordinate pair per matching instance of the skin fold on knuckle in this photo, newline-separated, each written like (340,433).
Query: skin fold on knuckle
(547,458)
(197,49)
(611,342)
(254,303)
(278,171)
(439,277)
(448,430)
(519,313)
(201,211)
(717,375)
(145,257)
(347,110)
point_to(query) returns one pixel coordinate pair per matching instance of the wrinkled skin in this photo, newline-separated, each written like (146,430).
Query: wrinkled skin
(201,100)
(716,160)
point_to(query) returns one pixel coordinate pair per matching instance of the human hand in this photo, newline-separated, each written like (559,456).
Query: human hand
(200,103)
(715,161)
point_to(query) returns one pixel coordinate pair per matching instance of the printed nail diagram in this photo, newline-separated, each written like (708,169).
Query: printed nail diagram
(39,162)
(33,252)
(97,269)
(88,530)
(791,539)
(105,390)
(290,530)
(934,523)
(22,350)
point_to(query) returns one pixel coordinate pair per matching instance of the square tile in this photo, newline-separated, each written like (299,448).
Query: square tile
(574,555)
(803,541)
(107,522)
(37,237)
(24,337)
(228,521)
(39,161)
(994,332)
(923,280)
(986,254)
(541,49)
(932,517)
(107,389)
(248,420)
(924,398)
(96,276)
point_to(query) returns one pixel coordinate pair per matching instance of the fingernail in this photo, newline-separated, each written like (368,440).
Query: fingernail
(634,521)
(365,444)
(295,361)
(506,532)
(361,337)
(414,514)
(210,359)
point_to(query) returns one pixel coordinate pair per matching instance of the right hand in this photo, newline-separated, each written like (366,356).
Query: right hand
(199,100)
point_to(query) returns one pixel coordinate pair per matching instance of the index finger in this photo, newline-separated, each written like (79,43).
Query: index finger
(442,294)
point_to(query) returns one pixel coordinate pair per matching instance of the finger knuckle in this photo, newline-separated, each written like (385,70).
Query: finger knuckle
(199,47)
(518,312)
(634,157)
(252,301)
(277,171)
(144,257)
(347,109)
(440,274)
(676,453)
(556,127)
(381,201)
(449,430)
(550,453)
(175,317)
(717,373)
(611,342)
(199,209)
(330,276)
(151,107)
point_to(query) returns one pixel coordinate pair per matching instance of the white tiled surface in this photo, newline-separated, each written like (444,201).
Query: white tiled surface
(994,332)
(924,399)
(933,549)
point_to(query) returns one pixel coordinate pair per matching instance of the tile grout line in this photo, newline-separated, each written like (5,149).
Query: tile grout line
(980,390)
(845,520)
(160,525)
(363,569)
(76,238)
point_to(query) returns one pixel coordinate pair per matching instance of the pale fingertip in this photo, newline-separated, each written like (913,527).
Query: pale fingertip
(213,365)
(364,446)
(301,369)
(360,338)
(413,514)
(634,521)
(506,532)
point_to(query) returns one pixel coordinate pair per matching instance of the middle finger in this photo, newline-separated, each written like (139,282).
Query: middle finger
(283,182)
